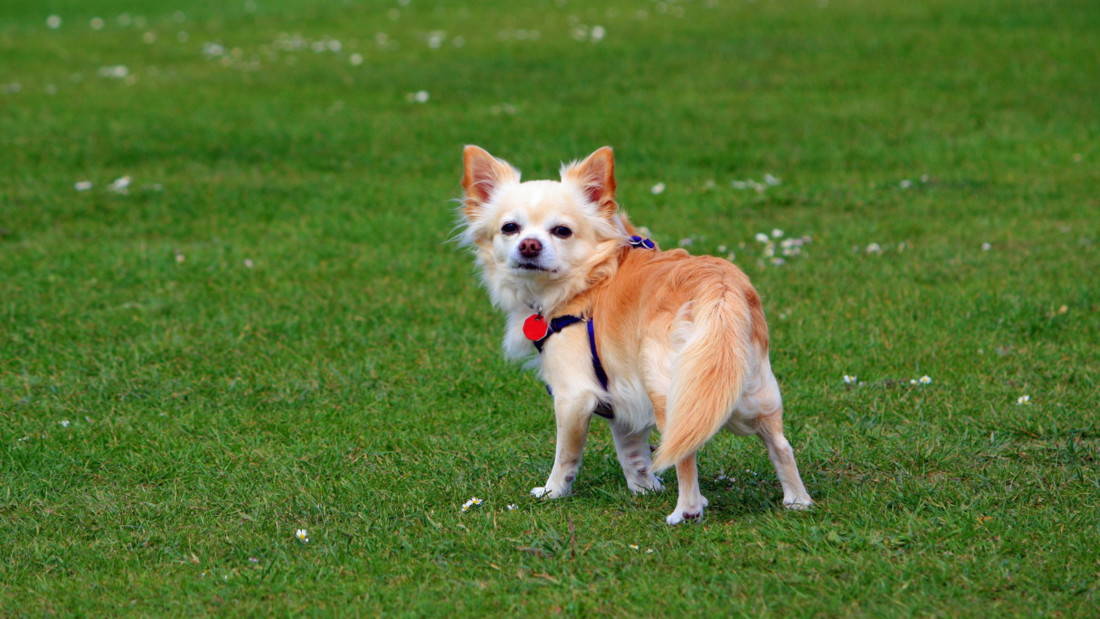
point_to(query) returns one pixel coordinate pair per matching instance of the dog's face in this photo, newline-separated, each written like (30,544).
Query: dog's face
(538,232)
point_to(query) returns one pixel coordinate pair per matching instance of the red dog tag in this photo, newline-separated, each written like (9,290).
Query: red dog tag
(535,327)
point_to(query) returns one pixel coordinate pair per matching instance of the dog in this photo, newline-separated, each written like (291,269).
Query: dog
(645,337)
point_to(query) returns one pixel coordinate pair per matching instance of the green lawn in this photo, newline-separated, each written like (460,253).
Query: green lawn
(269,330)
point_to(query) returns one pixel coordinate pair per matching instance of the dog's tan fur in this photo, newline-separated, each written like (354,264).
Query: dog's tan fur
(682,338)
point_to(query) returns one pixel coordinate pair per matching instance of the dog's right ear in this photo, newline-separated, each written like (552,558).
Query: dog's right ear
(484,173)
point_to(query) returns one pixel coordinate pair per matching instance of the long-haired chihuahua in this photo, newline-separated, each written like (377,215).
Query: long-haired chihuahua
(644,337)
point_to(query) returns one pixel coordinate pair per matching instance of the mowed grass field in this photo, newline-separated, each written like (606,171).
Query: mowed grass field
(267,329)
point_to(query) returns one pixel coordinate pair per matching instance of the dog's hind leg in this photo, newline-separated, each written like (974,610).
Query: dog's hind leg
(760,412)
(690,504)
(634,456)
(573,416)
(770,430)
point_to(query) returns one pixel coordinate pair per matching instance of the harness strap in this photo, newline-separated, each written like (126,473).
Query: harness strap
(556,324)
(596,365)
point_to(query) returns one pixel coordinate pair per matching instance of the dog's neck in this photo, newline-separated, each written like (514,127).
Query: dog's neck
(521,296)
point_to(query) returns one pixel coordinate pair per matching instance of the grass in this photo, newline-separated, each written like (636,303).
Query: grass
(171,416)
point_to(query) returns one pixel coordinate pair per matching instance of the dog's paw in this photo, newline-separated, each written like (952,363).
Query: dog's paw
(684,515)
(651,485)
(799,504)
(546,492)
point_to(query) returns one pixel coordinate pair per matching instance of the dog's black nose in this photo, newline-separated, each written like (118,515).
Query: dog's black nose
(529,248)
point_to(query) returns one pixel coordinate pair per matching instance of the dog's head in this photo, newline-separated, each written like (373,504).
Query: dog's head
(540,235)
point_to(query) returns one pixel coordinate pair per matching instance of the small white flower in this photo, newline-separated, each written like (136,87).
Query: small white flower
(633,546)
(912,381)
(761,237)
(118,71)
(649,551)
(180,258)
(302,535)
(96,23)
(120,185)
(598,33)
(248,264)
(470,503)
(925,380)
(770,180)
(776,233)
(53,22)
(436,39)
(659,188)
(739,184)
(986,246)
(356,60)
(512,507)
(722,249)
(420,96)
(874,248)
(905,183)
(65,423)
(850,380)
(82,185)
(1024,399)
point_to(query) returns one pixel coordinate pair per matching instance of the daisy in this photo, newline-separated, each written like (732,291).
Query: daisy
(302,535)
(120,185)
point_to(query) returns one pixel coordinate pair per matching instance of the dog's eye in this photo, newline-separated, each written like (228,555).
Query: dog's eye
(510,228)
(561,232)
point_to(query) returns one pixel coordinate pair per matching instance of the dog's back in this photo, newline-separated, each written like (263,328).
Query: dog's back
(696,326)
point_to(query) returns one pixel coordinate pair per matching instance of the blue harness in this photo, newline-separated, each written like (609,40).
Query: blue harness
(603,409)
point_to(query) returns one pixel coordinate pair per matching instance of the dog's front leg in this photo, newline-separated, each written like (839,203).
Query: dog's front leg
(634,457)
(573,416)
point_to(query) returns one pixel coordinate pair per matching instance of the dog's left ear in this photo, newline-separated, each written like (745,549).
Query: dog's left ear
(596,176)
(483,174)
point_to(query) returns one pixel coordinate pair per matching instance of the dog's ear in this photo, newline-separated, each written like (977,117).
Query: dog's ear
(484,173)
(596,176)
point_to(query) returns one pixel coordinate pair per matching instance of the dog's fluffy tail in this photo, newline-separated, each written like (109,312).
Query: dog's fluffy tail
(708,376)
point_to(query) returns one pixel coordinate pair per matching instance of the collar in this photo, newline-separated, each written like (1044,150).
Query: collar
(536,329)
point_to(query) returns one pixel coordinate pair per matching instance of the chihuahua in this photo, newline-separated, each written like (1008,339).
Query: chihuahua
(644,337)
